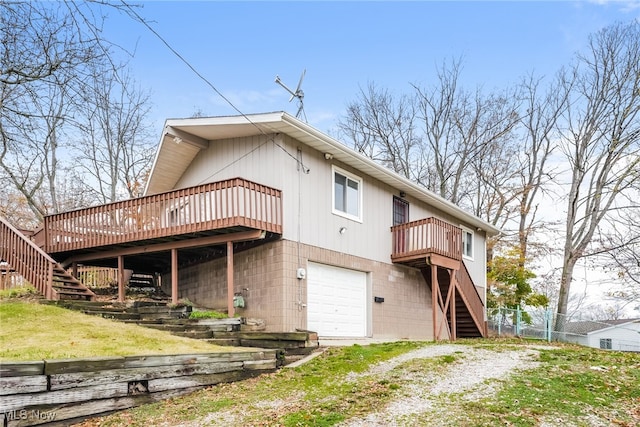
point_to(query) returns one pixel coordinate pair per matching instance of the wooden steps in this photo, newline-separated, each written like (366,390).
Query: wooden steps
(465,325)
(66,286)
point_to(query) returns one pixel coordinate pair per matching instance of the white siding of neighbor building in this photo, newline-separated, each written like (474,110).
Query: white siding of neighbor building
(625,337)
(307,197)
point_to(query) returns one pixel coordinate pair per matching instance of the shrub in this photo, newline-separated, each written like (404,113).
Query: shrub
(207,314)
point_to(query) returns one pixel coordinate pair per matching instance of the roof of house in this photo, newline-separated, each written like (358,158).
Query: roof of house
(612,324)
(182,139)
(588,326)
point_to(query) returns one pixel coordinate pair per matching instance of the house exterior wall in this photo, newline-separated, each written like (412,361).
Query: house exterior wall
(625,337)
(307,197)
(266,276)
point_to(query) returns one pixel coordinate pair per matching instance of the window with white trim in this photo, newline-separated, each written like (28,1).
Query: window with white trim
(467,243)
(347,194)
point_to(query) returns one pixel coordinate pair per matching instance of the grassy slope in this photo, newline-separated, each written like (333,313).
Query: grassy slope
(31,331)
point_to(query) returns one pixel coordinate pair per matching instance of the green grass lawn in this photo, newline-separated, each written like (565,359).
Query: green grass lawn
(31,331)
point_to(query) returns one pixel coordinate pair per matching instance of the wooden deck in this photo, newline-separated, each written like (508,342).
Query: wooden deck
(202,222)
(230,206)
(414,242)
(435,247)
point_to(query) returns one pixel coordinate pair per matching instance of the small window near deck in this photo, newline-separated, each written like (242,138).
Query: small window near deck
(347,195)
(467,243)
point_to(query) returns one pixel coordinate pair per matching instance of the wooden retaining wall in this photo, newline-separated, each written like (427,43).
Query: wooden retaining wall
(52,391)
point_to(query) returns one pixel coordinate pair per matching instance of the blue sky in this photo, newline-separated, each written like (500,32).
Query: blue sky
(241,46)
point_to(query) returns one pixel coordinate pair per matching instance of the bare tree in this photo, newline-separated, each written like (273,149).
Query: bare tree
(41,40)
(541,111)
(382,128)
(113,143)
(477,150)
(47,51)
(459,128)
(621,255)
(600,142)
(31,126)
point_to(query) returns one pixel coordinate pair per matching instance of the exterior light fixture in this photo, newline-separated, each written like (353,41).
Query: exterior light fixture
(328,156)
(342,230)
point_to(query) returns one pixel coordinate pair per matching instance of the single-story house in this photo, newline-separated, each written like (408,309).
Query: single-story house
(618,334)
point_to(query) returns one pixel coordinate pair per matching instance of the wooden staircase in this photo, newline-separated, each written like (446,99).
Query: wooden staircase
(37,267)
(468,317)
(435,247)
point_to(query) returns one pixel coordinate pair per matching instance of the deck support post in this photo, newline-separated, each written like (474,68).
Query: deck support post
(230,286)
(452,304)
(121,293)
(74,269)
(435,289)
(174,276)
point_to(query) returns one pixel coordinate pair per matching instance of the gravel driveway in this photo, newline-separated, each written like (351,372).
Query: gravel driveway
(468,376)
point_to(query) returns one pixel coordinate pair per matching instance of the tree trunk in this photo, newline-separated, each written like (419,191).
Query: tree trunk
(565,287)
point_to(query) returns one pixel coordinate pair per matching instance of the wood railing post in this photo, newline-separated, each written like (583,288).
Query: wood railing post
(49,288)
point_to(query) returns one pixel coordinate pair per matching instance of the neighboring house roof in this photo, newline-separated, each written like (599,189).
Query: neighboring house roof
(172,159)
(590,326)
(613,324)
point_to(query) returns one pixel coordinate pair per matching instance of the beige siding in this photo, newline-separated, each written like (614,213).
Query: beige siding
(254,158)
(307,197)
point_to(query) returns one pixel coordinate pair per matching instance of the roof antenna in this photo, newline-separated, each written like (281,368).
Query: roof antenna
(298,93)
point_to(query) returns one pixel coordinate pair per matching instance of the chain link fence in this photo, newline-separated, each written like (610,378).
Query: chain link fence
(543,324)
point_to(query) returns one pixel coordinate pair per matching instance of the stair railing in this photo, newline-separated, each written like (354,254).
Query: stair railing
(27,259)
(472,299)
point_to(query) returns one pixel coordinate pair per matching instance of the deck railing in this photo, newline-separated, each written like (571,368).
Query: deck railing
(424,237)
(472,298)
(232,203)
(26,258)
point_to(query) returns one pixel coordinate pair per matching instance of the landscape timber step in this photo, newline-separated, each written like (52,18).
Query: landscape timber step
(198,335)
(272,344)
(162,327)
(153,309)
(227,342)
(143,322)
(114,315)
(177,328)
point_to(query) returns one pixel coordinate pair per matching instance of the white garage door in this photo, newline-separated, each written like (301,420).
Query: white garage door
(336,301)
